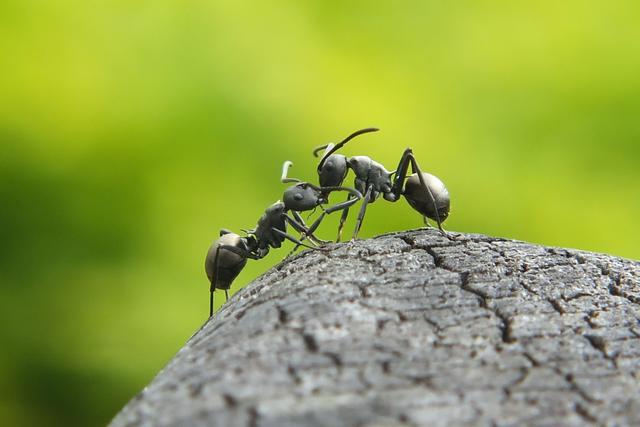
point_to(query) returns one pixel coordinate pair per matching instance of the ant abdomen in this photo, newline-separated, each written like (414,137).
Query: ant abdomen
(223,266)
(422,200)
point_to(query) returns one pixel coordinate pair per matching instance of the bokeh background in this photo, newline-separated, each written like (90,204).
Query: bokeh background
(132,131)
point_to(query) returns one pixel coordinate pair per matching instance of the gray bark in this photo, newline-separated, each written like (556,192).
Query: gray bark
(411,329)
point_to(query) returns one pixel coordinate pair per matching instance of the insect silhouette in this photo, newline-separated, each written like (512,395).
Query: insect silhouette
(424,192)
(228,255)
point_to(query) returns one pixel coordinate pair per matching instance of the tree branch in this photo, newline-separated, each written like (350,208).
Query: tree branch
(413,329)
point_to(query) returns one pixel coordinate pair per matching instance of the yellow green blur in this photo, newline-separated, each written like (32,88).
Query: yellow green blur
(132,131)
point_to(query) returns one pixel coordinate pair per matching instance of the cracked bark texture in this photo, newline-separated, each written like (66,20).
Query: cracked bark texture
(411,329)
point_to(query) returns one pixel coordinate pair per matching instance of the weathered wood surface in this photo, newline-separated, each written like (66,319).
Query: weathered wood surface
(411,329)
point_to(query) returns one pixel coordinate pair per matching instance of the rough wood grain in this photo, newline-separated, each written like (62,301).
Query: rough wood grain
(411,329)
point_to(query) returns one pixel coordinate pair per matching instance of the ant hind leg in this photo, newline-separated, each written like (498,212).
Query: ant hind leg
(211,303)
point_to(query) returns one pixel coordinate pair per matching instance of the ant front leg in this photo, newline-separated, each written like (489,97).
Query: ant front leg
(352,198)
(292,239)
(301,227)
(305,231)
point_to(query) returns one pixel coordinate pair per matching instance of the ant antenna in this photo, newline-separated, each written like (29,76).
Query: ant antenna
(320,148)
(285,170)
(343,142)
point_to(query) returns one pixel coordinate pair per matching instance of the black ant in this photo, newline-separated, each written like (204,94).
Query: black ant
(228,255)
(425,193)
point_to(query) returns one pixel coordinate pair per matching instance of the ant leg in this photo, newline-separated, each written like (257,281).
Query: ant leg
(210,302)
(291,238)
(347,203)
(426,221)
(214,281)
(352,198)
(308,232)
(401,174)
(343,218)
(344,206)
(301,227)
(303,230)
(226,294)
(363,210)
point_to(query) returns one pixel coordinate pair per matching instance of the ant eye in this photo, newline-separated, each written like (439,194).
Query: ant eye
(298,196)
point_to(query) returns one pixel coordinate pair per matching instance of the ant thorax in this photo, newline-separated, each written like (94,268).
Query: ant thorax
(370,173)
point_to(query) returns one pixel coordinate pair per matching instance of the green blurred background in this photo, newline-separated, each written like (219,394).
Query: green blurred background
(132,131)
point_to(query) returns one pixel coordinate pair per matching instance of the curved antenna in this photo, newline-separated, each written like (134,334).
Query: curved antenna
(326,148)
(343,142)
(285,168)
(319,149)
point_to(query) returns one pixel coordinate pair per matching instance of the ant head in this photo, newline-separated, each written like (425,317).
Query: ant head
(302,197)
(333,171)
